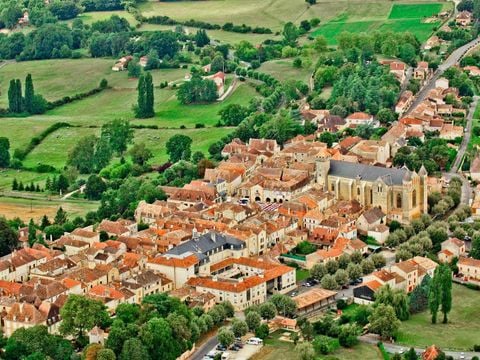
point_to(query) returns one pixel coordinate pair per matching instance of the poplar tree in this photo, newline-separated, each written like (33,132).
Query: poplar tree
(149,96)
(141,101)
(18,95)
(29,93)
(446,299)
(434,294)
(12,97)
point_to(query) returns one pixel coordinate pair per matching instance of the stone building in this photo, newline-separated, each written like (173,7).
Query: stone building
(400,193)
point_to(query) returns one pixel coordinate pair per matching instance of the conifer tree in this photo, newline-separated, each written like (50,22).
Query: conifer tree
(32,232)
(29,93)
(15,184)
(61,216)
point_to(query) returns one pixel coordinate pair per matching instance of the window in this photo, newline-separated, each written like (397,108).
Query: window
(399,201)
(414,198)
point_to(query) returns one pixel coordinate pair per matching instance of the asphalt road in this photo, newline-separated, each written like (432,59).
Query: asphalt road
(453,59)
(206,347)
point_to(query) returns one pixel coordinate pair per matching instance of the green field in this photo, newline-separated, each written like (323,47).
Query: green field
(7,176)
(90,17)
(461,332)
(217,35)
(272,14)
(156,139)
(54,149)
(275,349)
(398,18)
(475,140)
(283,70)
(414,11)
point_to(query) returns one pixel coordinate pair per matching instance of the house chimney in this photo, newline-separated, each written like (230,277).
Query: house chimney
(214,237)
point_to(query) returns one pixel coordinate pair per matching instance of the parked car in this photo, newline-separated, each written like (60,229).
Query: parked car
(220,347)
(255,341)
(294,293)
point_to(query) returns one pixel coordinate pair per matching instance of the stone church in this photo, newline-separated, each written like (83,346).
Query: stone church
(400,193)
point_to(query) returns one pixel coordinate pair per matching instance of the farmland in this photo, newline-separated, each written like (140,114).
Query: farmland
(28,209)
(399,18)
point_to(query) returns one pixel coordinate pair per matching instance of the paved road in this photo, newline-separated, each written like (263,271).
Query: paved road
(454,171)
(466,137)
(453,59)
(395,348)
(206,347)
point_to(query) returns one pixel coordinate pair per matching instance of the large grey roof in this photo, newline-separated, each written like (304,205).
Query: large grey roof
(205,243)
(391,176)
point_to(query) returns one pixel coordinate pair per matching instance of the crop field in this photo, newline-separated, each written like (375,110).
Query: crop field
(27,209)
(414,11)
(398,18)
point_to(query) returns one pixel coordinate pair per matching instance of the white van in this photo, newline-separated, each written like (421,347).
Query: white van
(254,341)
(225,356)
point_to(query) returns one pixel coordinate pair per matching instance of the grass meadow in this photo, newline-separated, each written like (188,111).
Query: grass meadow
(461,332)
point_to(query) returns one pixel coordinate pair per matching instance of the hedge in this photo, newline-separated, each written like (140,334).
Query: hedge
(36,140)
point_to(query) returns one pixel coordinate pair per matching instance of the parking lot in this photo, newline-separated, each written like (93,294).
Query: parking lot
(246,353)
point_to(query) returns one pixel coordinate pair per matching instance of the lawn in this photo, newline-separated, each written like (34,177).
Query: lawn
(55,148)
(27,209)
(462,331)
(414,11)
(156,139)
(301,274)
